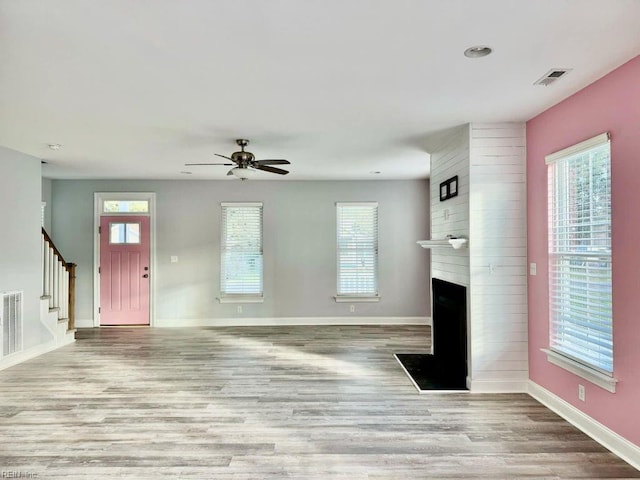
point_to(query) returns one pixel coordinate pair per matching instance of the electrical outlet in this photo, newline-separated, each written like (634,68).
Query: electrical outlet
(352,308)
(174,259)
(239,309)
(445,214)
(581,393)
(533,269)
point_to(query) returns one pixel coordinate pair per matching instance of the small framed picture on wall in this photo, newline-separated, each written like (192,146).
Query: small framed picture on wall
(453,187)
(449,188)
(443,191)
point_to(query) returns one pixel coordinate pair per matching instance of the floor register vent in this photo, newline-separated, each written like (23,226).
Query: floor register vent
(11,323)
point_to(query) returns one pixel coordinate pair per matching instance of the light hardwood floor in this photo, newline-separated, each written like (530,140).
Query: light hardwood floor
(270,403)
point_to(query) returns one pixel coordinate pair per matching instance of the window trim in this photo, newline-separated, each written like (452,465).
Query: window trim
(577,148)
(350,297)
(125,196)
(356,298)
(586,371)
(241,297)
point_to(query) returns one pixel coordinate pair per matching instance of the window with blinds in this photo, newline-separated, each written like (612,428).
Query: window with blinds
(241,252)
(357,249)
(579,189)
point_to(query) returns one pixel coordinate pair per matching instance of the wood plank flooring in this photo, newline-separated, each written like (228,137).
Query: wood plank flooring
(270,403)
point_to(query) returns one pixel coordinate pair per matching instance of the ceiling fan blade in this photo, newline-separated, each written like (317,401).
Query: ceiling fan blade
(191,164)
(271,169)
(272,162)
(223,156)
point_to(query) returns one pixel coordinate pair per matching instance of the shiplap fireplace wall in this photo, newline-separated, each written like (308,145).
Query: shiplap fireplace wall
(490,210)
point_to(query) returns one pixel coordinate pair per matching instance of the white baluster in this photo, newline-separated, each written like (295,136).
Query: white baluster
(61,299)
(51,275)
(65,296)
(60,286)
(47,284)
(66,292)
(56,283)
(42,257)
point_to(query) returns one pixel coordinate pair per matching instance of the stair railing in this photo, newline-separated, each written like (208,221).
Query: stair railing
(58,281)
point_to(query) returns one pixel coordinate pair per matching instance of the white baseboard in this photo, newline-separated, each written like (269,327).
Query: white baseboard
(497,386)
(32,352)
(284,321)
(606,437)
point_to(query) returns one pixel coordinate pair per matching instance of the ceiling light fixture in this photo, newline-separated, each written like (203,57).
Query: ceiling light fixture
(54,146)
(243,173)
(478,51)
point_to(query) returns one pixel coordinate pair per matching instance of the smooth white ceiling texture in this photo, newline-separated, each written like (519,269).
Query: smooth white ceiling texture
(341,88)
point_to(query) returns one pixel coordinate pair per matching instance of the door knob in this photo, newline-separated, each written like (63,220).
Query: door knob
(146,275)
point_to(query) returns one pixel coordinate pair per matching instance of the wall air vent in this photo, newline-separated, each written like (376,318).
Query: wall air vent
(11,323)
(551,76)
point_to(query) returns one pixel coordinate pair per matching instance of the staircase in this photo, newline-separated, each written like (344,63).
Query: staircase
(57,303)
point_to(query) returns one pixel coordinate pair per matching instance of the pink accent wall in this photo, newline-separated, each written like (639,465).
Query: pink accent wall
(610,104)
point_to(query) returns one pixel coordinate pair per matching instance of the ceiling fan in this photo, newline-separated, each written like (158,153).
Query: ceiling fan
(245,163)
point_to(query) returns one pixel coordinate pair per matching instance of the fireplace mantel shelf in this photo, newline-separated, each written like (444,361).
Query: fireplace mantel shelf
(456,243)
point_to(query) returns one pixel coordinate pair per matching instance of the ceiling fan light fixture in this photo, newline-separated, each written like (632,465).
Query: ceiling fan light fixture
(243,173)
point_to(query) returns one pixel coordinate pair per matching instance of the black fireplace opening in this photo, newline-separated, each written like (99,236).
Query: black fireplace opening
(446,369)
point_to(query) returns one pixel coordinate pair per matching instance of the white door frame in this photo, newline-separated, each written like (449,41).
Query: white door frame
(98,200)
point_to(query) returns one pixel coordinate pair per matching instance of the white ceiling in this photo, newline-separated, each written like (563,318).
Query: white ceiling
(341,88)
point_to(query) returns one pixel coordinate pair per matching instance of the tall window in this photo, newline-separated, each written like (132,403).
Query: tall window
(357,249)
(241,253)
(579,188)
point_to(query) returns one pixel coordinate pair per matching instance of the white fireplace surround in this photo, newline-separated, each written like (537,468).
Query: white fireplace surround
(489,212)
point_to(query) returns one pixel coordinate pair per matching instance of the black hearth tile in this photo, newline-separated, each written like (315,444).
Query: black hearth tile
(428,374)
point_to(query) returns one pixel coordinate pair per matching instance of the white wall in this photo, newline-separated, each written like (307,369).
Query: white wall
(449,157)
(490,210)
(498,256)
(46,197)
(20,241)
(299,245)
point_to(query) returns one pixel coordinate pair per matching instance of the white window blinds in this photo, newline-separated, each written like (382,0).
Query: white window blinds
(241,252)
(357,249)
(579,188)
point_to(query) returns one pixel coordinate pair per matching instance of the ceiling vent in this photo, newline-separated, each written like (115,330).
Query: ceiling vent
(551,76)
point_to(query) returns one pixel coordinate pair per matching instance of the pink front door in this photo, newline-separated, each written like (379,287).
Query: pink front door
(124,270)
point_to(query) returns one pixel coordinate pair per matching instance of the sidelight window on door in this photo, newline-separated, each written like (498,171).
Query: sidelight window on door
(124,233)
